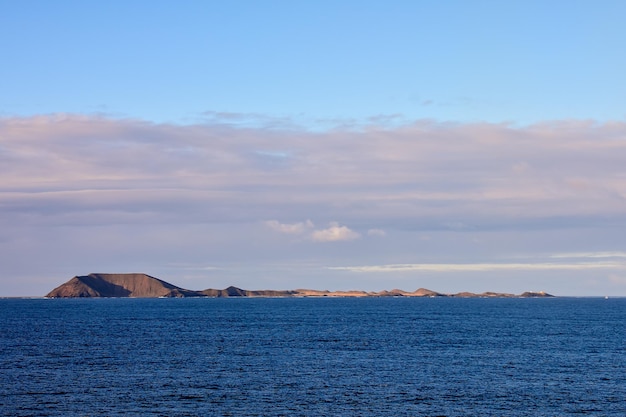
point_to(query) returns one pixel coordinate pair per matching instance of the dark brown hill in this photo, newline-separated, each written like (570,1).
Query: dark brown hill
(119,285)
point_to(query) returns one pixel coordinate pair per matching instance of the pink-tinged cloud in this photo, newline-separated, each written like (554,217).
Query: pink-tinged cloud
(290,228)
(426,173)
(334,233)
(481,267)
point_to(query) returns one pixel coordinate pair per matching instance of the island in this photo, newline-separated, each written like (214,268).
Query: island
(139,285)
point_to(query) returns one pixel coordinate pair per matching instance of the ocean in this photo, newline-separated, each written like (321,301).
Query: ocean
(313,357)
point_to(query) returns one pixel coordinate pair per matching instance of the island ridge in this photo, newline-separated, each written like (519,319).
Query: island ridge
(139,285)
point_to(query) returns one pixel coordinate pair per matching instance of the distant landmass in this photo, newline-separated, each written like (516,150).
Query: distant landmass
(145,286)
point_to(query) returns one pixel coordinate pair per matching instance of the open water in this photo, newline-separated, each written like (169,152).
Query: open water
(313,357)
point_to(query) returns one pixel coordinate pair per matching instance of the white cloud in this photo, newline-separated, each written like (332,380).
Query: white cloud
(293,228)
(478,267)
(334,233)
(615,254)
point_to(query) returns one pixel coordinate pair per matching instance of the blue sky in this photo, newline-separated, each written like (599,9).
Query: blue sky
(455,145)
(518,61)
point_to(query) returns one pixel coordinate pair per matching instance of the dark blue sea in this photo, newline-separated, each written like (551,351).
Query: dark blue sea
(313,357)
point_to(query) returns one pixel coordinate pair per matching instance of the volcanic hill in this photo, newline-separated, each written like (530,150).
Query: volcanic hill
(119,285)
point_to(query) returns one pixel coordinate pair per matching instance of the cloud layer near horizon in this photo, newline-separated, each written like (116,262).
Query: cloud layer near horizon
(429,175)
(173,185)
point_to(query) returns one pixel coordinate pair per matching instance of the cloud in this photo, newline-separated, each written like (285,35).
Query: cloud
(426,175)
(293,228)
(614,254)
(334,233)
(479,267)
(249,120)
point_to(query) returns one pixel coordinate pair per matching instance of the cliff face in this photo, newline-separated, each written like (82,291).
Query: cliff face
(119,285)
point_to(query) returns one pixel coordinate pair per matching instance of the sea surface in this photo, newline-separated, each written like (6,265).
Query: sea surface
(313,357)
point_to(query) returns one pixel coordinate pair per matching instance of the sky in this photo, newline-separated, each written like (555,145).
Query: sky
(451,145)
